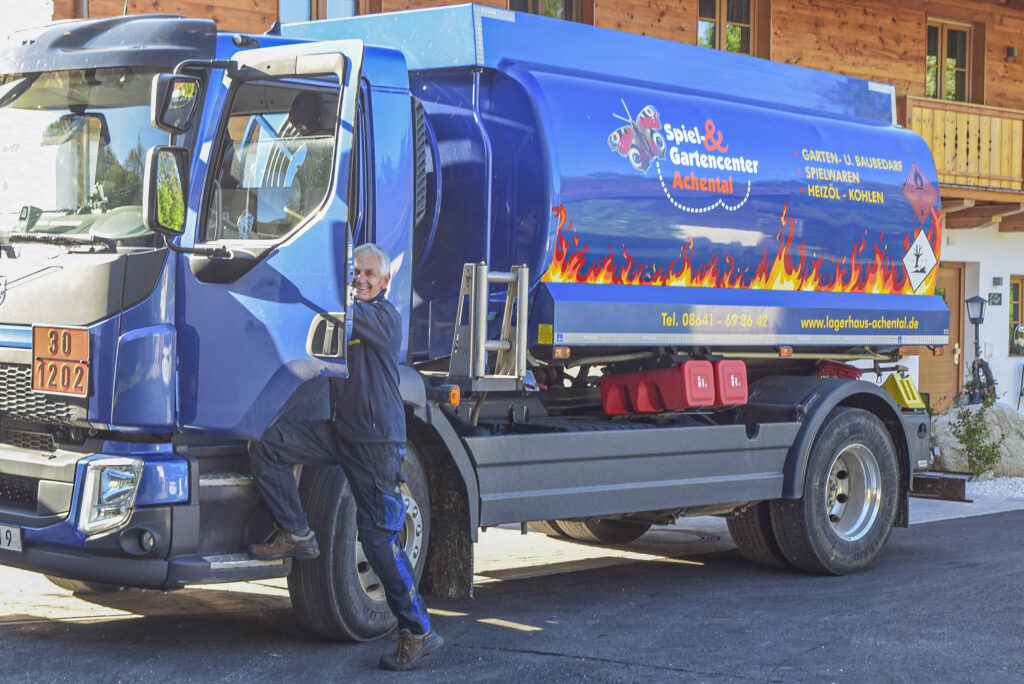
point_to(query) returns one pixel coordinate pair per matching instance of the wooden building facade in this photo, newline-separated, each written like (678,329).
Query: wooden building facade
(958,69)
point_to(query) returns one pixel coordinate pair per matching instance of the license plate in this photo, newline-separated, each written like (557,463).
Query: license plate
(10,538)
(60,360)
(60,377)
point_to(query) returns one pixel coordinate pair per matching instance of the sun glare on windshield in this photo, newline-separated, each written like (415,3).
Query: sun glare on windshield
(72,146)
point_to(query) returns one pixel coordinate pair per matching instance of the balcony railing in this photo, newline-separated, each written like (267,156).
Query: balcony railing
(974,146)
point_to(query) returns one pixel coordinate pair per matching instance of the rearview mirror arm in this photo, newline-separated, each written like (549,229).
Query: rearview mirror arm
(219,252)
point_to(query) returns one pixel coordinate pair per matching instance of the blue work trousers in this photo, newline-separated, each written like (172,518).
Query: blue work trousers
(374,472)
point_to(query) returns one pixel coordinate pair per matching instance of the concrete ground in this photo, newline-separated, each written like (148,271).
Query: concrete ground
(502,554)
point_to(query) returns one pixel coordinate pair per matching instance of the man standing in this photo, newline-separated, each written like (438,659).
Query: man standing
(366,437)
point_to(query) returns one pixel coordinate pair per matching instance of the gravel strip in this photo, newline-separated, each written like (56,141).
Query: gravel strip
(997,487)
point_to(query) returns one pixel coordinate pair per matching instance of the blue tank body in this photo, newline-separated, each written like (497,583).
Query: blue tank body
(614,164)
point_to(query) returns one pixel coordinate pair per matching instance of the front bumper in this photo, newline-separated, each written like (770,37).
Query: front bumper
(135,572)
(41,494)
(164,543)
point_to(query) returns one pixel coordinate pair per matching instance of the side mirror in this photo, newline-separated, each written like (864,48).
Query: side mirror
(166,183)
(174,101)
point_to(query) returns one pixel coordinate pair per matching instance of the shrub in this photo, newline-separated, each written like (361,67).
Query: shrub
(971,429)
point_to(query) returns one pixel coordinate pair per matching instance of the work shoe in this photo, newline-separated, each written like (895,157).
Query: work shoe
(281,544)
(411,647)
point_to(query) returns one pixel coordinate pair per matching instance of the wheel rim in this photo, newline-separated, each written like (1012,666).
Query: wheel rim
(411,539)
(853,492)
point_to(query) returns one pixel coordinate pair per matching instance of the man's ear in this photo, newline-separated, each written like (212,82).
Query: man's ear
(386,283)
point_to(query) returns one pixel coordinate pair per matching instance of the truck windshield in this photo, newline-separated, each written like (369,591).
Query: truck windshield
(72,146)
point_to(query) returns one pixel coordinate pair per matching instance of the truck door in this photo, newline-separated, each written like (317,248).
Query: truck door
(267,323)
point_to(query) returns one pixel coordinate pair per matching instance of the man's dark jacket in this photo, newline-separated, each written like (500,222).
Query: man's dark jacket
(368,405)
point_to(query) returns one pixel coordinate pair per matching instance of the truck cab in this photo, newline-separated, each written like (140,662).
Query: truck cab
(136,368)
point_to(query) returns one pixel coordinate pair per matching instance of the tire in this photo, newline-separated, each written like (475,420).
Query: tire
(83,588)
(848,507)
(603,531)
(751,531)
(337,595)
(548,527)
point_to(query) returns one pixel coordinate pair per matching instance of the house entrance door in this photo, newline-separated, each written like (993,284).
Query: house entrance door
(942,376)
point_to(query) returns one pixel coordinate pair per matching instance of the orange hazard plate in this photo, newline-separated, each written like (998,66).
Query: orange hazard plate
(60,360)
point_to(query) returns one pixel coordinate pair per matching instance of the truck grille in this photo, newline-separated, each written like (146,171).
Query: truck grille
(18,491)
(36,441)
(18,400)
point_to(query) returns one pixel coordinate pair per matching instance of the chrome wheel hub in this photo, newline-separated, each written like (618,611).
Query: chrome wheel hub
(853,492)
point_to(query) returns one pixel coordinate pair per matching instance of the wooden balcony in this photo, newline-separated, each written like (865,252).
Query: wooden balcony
(979,155)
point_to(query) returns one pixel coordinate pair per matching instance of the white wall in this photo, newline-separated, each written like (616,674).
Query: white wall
(21,14)
(987,254)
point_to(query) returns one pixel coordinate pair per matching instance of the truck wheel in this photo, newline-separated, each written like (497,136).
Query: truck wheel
(337,595)
(549,527)
(751,531)
(603,531)
(849,498)
(83,588)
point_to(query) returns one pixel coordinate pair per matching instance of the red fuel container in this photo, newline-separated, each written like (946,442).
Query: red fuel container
(730,382)
(615,396)
(688,384)
(698,383)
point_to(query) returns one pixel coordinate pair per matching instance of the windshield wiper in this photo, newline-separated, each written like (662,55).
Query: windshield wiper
(13,89)
(64,239)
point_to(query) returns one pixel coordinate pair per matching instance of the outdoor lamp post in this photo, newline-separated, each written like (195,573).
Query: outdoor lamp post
(976,315)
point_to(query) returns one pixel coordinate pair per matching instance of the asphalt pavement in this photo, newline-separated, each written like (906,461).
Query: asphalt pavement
(943,602)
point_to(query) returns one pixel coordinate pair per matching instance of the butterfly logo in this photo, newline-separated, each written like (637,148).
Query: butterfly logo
(641,141)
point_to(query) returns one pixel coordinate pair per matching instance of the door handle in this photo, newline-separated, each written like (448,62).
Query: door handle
(956,353)
(326,338)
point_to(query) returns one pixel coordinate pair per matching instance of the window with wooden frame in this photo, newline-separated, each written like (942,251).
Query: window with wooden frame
(304,10)
(727,25)
(1016,315)
(571,10)
(948,65)
(336,9)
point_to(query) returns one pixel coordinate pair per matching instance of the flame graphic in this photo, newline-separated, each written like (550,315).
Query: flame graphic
(789,269)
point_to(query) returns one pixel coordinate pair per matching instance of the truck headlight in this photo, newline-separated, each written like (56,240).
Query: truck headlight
(108,494)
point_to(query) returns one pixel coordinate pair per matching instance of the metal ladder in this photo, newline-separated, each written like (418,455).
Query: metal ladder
(470,345)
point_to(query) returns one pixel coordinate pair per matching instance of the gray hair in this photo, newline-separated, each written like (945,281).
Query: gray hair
(382,257)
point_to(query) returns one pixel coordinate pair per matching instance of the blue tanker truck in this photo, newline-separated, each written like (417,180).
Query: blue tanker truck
(639,280)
